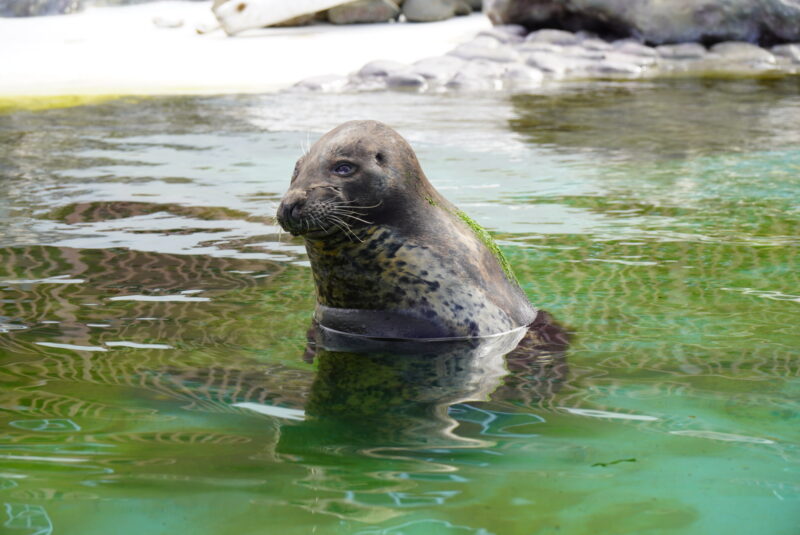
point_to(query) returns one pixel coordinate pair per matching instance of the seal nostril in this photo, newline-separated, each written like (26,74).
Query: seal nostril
(295,211)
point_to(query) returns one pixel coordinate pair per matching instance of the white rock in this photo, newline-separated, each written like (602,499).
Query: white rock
(741,52)
(238,15)
(554,37)
(533,46)
(682,51)
(438,69)
(790,51)
(626,46)
(557,66)
(596,44)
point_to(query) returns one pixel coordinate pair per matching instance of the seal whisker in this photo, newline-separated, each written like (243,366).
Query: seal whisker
(348,212)
(347,228)
(344,231)
(354,217)
(350,204)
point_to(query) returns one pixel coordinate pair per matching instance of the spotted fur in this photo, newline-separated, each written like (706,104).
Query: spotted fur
(390,255)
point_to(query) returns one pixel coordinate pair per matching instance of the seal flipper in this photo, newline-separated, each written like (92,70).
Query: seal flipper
(380,323)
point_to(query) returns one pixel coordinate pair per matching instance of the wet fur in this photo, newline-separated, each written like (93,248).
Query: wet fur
(406,264)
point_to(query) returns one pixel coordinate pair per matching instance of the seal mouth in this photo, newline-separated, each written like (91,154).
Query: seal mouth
(319,233)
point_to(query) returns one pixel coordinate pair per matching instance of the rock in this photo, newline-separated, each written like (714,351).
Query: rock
(539,47)
(513,29)
(239,15)
(557,65)
(438,69)
(475,5)
(501,36)
(626,46)
(327,83)
(578,51)
(633,59)
(791,52)
(364,11)
(614,67)
(596,44)
(682,51)
(35,8)
(381,68)
(500,53)
(302,20)
(433,10)
(658,21)
(406,80)
(478,75)
(553,37)
(740,52)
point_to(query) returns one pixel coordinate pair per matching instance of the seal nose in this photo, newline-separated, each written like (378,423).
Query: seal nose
(290,212)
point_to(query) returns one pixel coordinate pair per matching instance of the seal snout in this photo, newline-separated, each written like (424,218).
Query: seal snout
(290,212)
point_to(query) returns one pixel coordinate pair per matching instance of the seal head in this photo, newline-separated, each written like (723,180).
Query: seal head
(390,256)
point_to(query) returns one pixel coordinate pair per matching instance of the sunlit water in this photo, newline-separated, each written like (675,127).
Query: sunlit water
(154,321)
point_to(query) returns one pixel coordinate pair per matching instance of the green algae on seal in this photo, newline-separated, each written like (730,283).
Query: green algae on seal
(391,257)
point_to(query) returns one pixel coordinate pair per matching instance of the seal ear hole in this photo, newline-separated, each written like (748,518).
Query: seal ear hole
(380,158)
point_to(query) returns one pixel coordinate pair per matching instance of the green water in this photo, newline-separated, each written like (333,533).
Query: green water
(145,290)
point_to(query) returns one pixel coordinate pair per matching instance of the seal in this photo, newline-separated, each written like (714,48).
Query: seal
(391,257)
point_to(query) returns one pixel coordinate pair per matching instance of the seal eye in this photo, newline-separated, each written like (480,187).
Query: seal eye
(344,169)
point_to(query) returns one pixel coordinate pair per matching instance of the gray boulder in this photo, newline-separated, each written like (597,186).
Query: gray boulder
(364,11)
(659,21)
(433,10)
(33,8)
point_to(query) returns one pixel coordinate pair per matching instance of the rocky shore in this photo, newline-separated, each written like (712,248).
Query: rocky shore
(158,48)
(508,57)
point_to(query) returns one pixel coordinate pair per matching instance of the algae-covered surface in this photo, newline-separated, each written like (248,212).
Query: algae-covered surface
(153,320)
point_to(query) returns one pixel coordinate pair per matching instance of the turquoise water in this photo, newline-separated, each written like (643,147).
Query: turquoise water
(150,308)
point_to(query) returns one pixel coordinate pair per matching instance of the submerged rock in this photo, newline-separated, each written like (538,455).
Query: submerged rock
(659,21)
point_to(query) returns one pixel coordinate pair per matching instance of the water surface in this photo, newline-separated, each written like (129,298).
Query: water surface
(153,320)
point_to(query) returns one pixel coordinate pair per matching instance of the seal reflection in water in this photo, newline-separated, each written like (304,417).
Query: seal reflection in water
(391,257)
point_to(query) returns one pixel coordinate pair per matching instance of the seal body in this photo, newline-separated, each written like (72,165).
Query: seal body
(390,256)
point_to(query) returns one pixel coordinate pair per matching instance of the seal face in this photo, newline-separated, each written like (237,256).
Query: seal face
(390,256)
